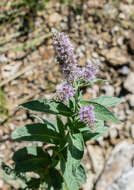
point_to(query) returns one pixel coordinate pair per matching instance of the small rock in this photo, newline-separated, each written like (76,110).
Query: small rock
(97,158)
(115,56)
(11,55)
(89,182)
(113,132)
(130,98)
(1,183)
(55,18)
(120,162)
(109,90)
(129,82)
(125,182)
(127,10)
(124,70)
(132,131)
(82,62)
(3,59)
(110,10)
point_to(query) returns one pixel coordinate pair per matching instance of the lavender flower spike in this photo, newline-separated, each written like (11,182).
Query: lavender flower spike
(65,52)
(88,72)
(87,114)
(65,92)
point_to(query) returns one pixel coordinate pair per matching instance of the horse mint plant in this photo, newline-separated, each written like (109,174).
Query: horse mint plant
(58,160)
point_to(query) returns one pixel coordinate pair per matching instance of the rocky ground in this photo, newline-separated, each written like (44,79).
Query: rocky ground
(99,29)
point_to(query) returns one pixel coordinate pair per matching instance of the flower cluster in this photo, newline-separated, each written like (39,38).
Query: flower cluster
(67,59)
(65,54)
(87,115)
(65,92)
(88,73)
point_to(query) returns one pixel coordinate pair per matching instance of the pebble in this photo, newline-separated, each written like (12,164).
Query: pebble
(129,82)
(90,181)
(113,132)
(125,70)
(109,90)
(116,56)
(97,158)
(130,98)
(132,131)
(3,58)
(1,183)
(125,182)
(55,18)
(11,55)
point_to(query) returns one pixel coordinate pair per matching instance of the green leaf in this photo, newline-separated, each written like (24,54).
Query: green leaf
(76,148)
(80,174)
(75,152)
(33,183)
(60,126)
(48,106)
(31,159)
(101,112)
(71,182)
(107,101)
(36,132)
(91,82)
(50,124)
(99,130)
(55,179)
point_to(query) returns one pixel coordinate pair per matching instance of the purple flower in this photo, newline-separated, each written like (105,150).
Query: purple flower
(87,115)
(67,59)
(65,52)
(88,72)
(65,92)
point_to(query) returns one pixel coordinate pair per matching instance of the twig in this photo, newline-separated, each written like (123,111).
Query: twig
(15,76)
(31,44)
(8,38)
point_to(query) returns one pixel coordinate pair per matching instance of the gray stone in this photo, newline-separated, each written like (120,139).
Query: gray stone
(109,90)
(129,82)
(125,182)
(130,98)
(116,56)
(3,59)
(118,169)
(124,70)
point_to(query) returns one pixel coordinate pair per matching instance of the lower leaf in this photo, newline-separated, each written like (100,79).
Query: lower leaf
(31,159)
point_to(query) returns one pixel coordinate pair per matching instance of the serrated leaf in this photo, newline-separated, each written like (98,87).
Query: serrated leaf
(99,130)
(70,180)
(80,174)
(101,112)
(76,148)
(31,159)
(48,106)
(107,101)
(75,152)
(36,132)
